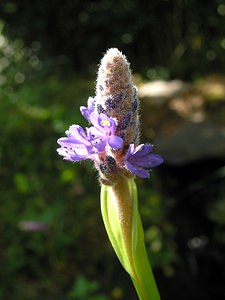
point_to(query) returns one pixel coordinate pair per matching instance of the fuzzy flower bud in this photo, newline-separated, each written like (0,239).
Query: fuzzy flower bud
(117,96)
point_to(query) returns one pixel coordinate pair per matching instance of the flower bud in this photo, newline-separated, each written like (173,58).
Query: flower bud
(116,96)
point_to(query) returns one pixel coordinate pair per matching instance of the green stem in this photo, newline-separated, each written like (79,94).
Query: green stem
(121,217)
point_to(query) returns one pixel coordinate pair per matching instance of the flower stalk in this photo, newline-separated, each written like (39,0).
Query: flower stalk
(112,143)
(119,207)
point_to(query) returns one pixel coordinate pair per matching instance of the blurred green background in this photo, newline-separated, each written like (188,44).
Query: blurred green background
(53,243)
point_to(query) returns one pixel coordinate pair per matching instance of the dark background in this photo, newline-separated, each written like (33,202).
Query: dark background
(49,53)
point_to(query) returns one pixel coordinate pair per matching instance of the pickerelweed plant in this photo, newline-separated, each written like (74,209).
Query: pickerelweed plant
(112,143)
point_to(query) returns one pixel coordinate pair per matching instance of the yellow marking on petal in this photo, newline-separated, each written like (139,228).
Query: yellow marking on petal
(105,123)
(83,134)
(141,148)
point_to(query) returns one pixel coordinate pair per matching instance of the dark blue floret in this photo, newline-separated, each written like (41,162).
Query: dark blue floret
(103,168)
(111,163)
(100,88)
(134,105)
(113,102)
(100,109)
(119,97)
(110,103)
(108,166)
(125,122)
(122,135)
(134,92)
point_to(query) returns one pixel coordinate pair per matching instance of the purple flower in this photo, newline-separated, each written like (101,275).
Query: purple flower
(87,111)
(138,159)
(80,145)
(103,132)
(76,146)
(33,226)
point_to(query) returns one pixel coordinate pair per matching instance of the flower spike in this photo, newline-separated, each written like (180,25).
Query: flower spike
(112,142)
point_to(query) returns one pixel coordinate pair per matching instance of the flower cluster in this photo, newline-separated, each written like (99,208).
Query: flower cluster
(111,141)
(80,144)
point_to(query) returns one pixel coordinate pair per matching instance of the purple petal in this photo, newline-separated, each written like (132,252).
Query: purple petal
(130,151)
(70,142)
(147,161)
(131,167)
(66,142)
(97,138)
(143,149)
(78,134)
(91,103)
(103,129)
(106,122)
(94,119)
(115,142)
(81,151)
(93,133)
(87,111)
(103,123)
(139,162)
(138,159)
(154,160)
(71,155)
(99,144)
(137,171)
(143,173)
(65,153)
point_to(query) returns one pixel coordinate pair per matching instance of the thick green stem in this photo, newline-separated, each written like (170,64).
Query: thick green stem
(121,217)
